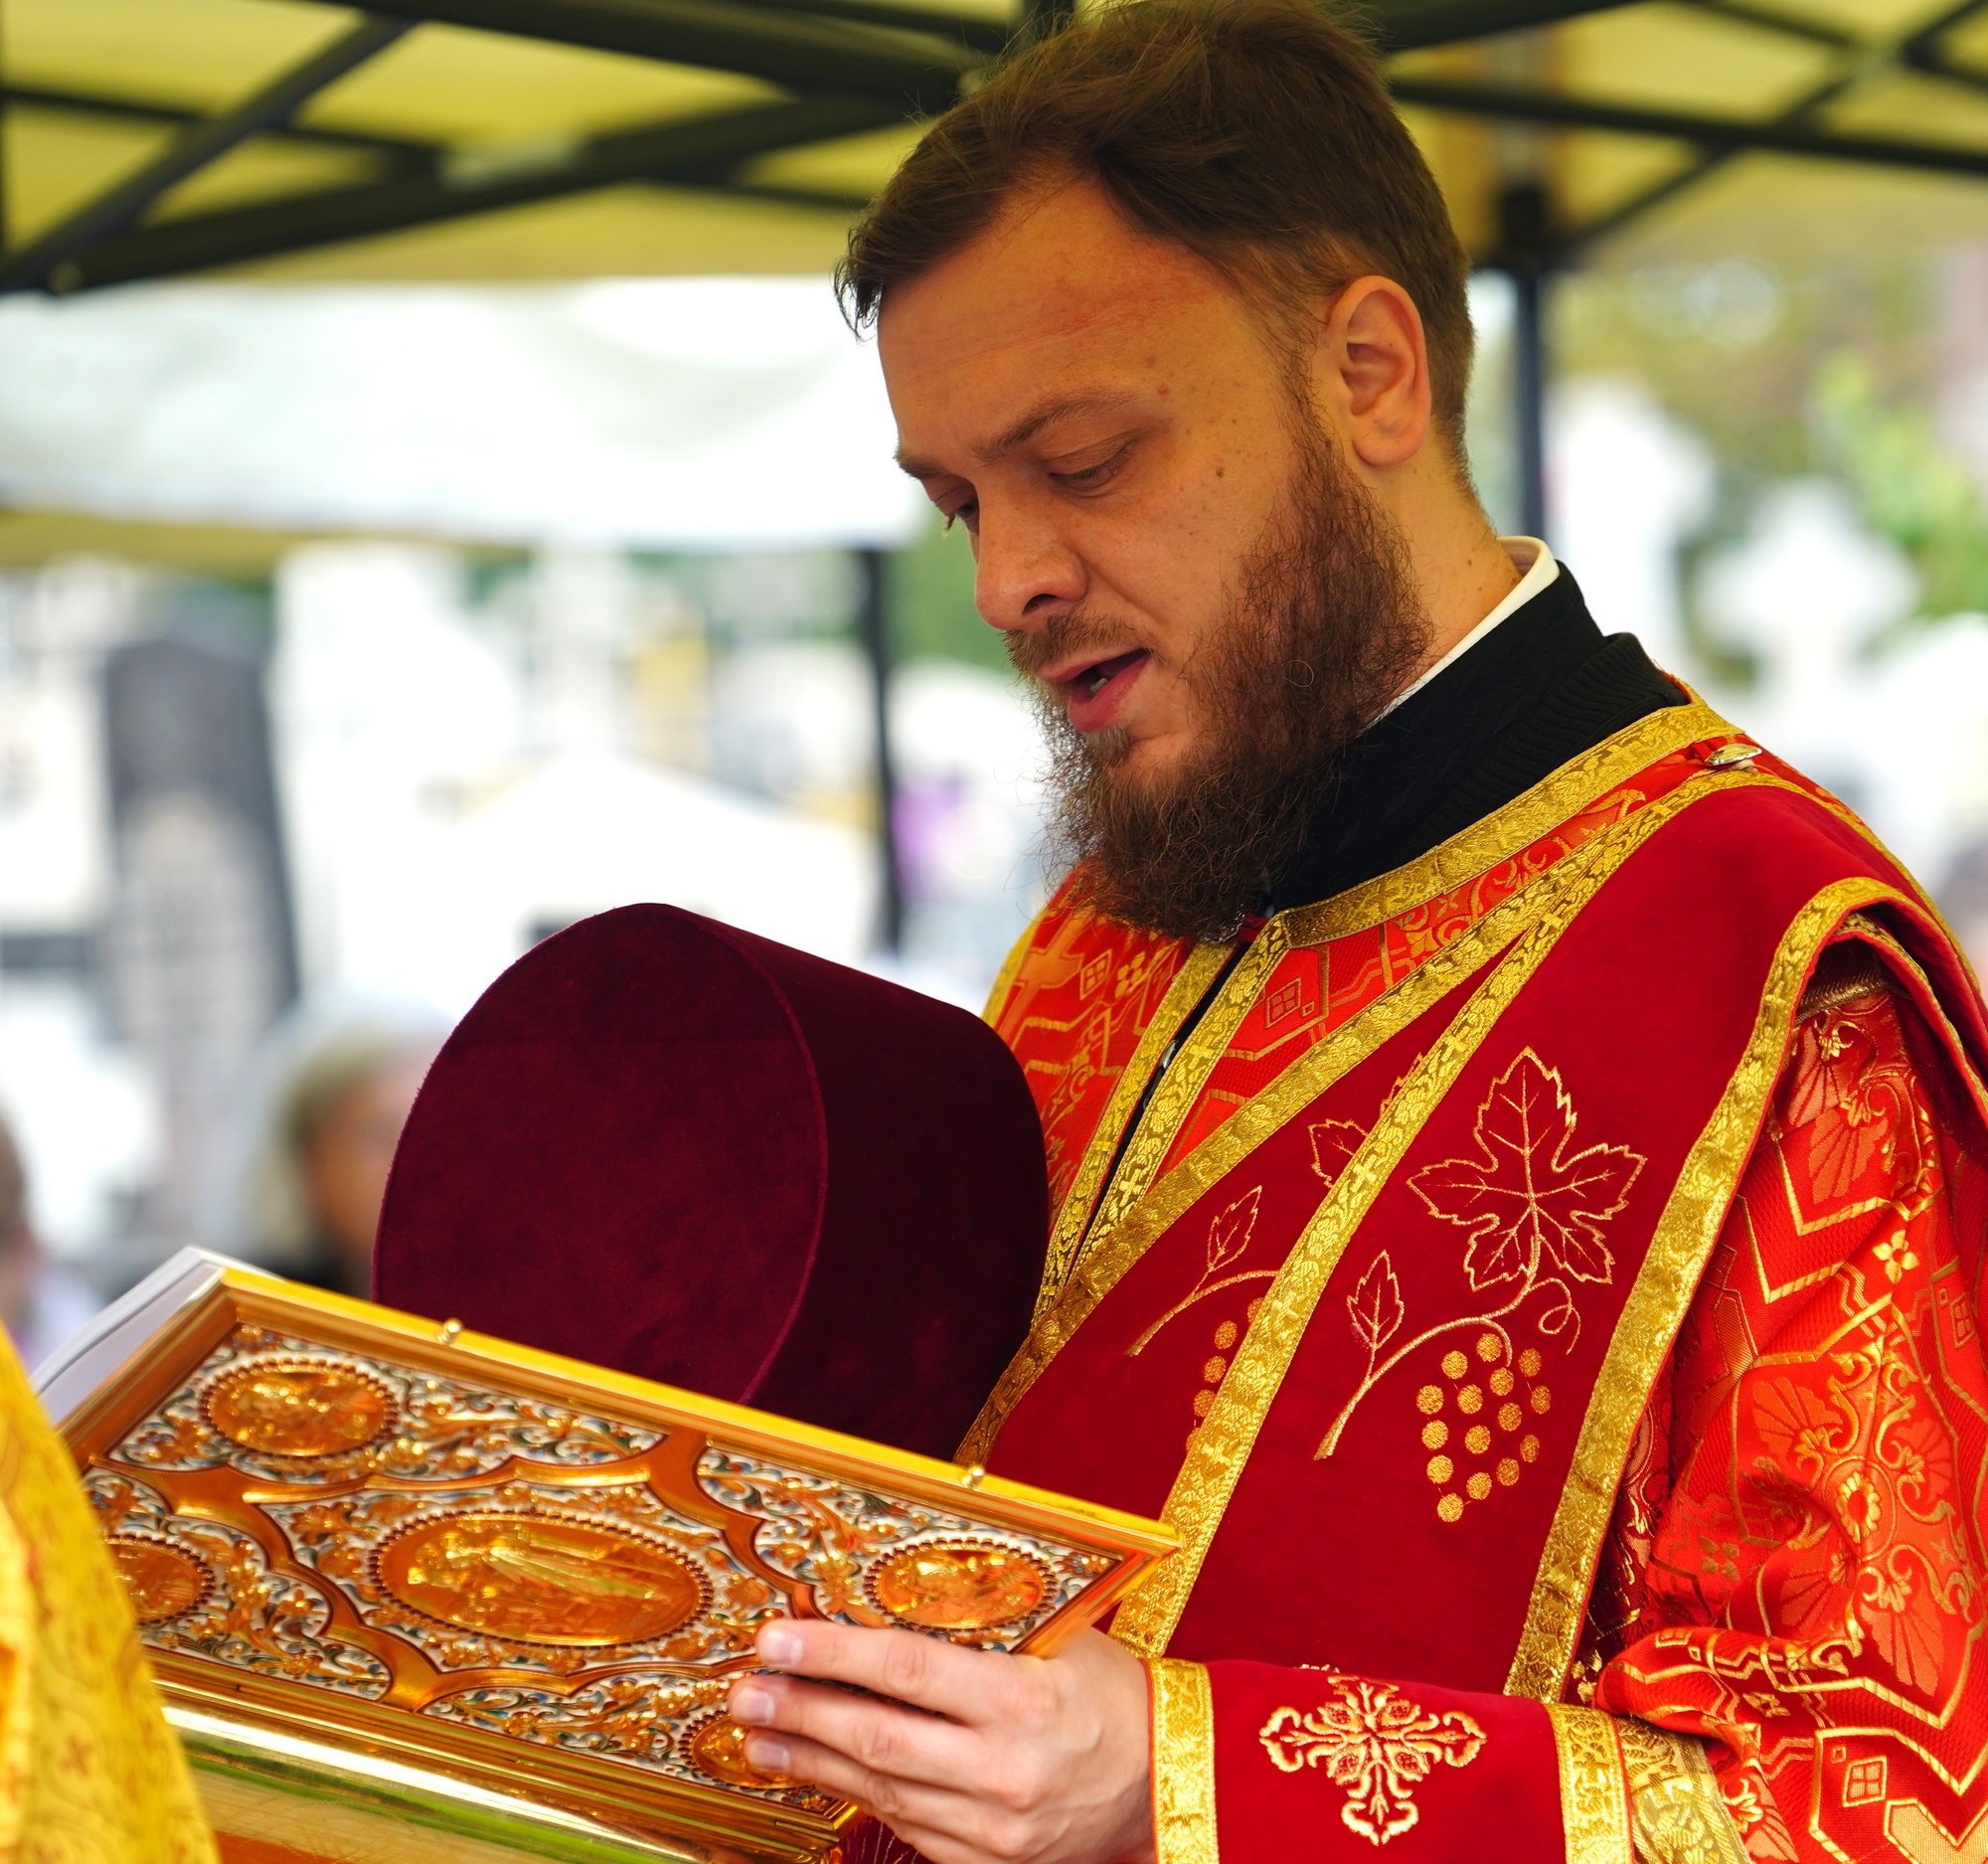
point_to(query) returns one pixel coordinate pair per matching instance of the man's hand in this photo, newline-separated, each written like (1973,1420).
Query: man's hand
(1014,1760)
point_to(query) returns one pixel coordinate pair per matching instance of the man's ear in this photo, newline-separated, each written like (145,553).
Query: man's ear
(1373,370)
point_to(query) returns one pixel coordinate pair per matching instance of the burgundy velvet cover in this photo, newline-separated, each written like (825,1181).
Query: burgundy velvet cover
(667,1146)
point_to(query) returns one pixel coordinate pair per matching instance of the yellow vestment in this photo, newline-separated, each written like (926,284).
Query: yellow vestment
(89,1773)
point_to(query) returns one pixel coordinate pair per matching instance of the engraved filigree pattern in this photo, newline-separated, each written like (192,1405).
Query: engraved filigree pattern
(1376,1744)
(651,1719)
(832,1536)
(343,1538)
(326,1517)
(442,1429)
(249,1617)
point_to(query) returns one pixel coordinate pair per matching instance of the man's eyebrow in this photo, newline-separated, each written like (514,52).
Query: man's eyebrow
(1024,430)
(1035,420)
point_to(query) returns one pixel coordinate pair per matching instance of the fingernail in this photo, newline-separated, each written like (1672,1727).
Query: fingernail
(766,1753)
(752,1705)
(780,1643)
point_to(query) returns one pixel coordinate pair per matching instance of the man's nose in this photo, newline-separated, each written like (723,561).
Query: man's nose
(1026,571)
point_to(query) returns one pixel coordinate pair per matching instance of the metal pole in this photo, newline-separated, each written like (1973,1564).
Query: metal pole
(1526,257)
(872,621)
(1529,399)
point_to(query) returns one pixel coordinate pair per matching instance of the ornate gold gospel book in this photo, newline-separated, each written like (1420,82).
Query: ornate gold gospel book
(413,1593)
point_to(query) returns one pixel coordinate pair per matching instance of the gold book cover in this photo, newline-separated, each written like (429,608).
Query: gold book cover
(411,1592)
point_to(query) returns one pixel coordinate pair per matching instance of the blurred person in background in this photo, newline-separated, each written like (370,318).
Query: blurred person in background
(332,1108)
(42,1302)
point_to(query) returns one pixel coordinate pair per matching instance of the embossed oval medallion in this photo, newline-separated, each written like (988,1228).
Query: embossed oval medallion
(959,1586)
(299,1407)
(716,1746)
(539,1579)
(164,1583)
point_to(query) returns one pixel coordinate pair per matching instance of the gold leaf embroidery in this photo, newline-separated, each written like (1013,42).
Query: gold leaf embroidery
(1529,1198)
(1333,1142)
(1376,1304)
(1536,1209)
(1228,1234)
(1228,1239)
(1376,1744)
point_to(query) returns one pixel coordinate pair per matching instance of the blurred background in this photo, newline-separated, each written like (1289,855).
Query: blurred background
(439,499)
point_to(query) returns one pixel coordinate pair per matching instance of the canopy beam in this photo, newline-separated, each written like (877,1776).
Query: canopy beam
(1411,24)
(701,151)
(1732,136)
(799,51)
(402,150)
(42,261)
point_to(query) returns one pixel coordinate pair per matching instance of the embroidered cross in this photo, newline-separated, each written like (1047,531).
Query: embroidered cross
(1376,1744)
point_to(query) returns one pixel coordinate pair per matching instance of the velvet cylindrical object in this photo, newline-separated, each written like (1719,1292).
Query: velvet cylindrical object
(667,1146)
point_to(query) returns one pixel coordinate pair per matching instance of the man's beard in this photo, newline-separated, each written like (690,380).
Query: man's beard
(1322,627)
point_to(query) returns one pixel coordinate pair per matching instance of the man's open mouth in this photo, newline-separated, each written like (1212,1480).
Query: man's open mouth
(1094,679)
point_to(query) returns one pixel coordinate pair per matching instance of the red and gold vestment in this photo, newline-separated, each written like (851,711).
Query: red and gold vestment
(1540,1289)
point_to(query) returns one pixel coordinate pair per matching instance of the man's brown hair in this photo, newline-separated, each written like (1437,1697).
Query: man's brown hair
(1256,133)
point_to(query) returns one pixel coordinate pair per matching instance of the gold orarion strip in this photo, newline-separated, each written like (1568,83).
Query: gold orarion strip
(1200,1495)
(1182,1084)
(1221,1447)
(1073,1218)
(1593,1790)
(1677,1814)
(1184,1830)
(1664,1286)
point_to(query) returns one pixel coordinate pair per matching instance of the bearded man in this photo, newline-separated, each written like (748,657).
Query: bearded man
(1516,1146)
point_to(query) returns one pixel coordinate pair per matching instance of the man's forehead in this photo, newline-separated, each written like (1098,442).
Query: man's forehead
(1057,283)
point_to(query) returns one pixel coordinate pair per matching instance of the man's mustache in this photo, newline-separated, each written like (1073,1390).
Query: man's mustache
(1063,635)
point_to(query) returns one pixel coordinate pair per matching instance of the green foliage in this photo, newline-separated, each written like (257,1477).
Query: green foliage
(1908,484)
(930,592)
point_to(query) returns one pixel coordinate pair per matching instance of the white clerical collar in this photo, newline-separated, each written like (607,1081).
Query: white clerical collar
(1537,571)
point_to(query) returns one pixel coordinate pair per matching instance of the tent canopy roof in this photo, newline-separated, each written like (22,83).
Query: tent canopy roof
(491,139)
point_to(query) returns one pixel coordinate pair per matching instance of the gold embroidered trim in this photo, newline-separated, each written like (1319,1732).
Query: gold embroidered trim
(1927,1002)
(1677,1814)
(1182,1084)
(1593,1790)
(1664,1287)
(1183,1828)
(1208,1478)
(1378,1745)
(1073,1218)
(1556,798)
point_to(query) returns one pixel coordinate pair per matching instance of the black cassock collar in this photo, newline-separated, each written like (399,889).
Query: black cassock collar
(1540,688)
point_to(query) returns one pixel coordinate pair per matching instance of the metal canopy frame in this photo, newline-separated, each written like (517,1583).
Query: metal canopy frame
(853,66)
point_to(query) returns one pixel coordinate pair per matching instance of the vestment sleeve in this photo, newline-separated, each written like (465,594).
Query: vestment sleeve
(1810,1597)
(89,1769)
(1246,1756)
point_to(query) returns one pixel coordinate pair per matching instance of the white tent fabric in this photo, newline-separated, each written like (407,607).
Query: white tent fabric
(691,414)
